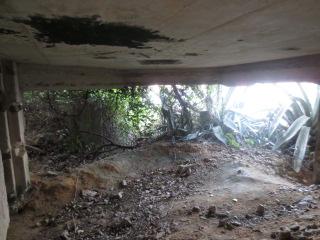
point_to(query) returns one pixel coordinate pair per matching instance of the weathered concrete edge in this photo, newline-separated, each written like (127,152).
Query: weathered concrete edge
(4,210)
(41,77)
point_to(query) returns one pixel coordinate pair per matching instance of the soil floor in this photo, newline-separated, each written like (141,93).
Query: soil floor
(185,191)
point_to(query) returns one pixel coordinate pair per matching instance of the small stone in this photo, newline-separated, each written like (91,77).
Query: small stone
(273,235)
(196,209)
(295,227)
(307,233)
(228,226)
(234,200)
(222,215)
(312,226)
(222,222)
(65,235)
(286,235)
(235,223)
(301,237)
(260,210)
(116,196)
(51,174)
(88,193)
(308,217)
(120,224)
(306,201)
(184,171)
(211,211)
(123,184)
(160,235)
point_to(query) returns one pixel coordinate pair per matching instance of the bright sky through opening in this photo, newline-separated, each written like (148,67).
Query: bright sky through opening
(258,100)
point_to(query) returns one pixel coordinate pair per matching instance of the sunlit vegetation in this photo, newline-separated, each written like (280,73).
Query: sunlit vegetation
(87,120)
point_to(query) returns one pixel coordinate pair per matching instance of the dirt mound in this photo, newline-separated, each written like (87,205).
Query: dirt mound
(150,193)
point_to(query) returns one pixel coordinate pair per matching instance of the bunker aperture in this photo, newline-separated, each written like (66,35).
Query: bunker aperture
(91,30)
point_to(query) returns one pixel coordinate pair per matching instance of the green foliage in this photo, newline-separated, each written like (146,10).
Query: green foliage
(231,140)
(130,108)
(126,114)
(188,112)
(250,142)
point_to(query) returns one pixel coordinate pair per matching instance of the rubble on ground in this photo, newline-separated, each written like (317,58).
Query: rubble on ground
(193,198)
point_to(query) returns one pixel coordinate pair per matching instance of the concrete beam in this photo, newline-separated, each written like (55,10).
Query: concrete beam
(4,210)
(16,125)
(42,77)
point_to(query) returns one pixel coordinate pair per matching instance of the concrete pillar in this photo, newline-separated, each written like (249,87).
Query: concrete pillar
(5,145)
(13,99)
(4,210)
(5,148)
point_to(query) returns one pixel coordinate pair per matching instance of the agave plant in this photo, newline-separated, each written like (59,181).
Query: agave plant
(300,118)
(234,127)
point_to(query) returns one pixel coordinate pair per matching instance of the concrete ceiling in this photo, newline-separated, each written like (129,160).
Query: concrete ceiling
(153,34)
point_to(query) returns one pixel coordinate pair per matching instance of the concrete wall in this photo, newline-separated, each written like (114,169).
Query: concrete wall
(42,77)
(4,210)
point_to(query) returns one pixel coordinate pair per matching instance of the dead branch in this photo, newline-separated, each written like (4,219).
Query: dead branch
(94,154)
(109,140)
(182,102)
(35,148)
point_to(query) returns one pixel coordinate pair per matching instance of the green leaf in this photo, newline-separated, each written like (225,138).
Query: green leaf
(291,131)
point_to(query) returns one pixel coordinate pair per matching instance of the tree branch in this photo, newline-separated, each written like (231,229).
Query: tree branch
(109,140)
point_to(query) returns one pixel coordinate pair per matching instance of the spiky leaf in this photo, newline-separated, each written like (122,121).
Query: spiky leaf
(291,131)
(300,148)
(276,121)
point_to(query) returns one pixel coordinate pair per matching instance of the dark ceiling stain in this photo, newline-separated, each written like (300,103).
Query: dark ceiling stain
(91,30)
(105,53)
(160,61)
(144,55)
(7,31)
(192,54)
(139,54)
(104,57)
(291,49)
